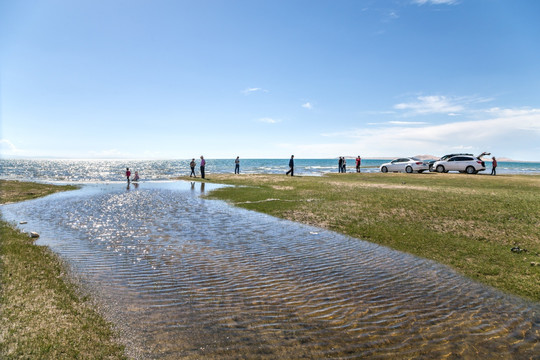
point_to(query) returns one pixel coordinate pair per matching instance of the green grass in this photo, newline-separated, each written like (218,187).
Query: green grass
(467,222)
(14,191)
(43,315)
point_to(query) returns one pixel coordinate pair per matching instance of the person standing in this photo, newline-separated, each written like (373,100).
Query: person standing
(340,165)
(493,166)
(237,165)
(203,164)
(192,166)
(128,174)
(291,166)
(344,166)
(358,163)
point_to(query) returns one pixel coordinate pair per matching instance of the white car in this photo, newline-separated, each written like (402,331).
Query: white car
(408,165)
(463,163)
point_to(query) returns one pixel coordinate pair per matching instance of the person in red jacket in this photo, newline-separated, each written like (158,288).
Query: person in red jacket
(128,174)
(493,166)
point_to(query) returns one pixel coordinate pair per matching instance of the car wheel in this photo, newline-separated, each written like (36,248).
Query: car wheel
(384,169)
(470,170)
(440,168)
(409,169)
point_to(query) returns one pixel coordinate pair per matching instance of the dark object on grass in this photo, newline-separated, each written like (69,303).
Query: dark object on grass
(517,249)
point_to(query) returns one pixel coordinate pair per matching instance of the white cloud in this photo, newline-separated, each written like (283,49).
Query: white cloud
(269,120)
(499,134)
(308,106)
(253,90)
(407,122)
(431,105)
(435,2)
(7,147)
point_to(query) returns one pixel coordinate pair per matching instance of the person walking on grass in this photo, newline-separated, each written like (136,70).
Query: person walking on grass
(192,165)
(237,165)
(493,166)
(291,166)
(203,164)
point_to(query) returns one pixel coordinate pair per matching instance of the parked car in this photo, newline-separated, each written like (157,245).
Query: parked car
(445,157)
(409,165)
(463,163)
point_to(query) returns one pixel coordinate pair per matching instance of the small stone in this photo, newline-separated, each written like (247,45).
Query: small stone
(534,263)
(23,222)
(34,234)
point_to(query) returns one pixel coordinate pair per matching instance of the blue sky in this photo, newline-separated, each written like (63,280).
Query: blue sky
(267,79)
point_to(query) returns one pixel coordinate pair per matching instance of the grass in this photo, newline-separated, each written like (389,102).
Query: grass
(469,222)
(43,314)
(14,191)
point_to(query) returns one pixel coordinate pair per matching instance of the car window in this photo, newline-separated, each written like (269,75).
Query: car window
(463,158)
(403,160)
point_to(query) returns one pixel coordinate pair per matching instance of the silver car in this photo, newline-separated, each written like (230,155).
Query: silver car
(408,165)
(463,163)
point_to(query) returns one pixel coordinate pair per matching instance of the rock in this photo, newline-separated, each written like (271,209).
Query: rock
(517,249)
(23,222)
(534,263)
(34,235)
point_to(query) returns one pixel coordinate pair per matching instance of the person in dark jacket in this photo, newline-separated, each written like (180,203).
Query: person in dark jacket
(202,165)
(291,166)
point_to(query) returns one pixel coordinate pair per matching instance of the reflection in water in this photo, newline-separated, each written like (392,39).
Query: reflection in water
(198,279)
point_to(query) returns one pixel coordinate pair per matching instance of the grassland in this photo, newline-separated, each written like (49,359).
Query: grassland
(469,222)
(43,314)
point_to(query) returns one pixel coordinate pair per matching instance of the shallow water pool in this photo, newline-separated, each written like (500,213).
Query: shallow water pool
(186,277)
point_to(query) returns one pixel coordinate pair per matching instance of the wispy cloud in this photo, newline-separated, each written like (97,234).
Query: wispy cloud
(7,147)
(495,133)
(435,2)
(393,15)
(407,122)
(437,104)
(431,105)
(307,105)
(269,120)
(253,90)
(395,122)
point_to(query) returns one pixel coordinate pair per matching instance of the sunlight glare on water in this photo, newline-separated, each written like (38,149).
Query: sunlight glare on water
(193,278)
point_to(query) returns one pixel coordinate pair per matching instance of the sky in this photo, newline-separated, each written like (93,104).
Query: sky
(176,79)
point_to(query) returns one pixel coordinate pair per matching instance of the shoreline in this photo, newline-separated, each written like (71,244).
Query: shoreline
(45,312)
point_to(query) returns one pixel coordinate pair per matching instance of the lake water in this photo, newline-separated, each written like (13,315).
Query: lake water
(185,277)
(113,170)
